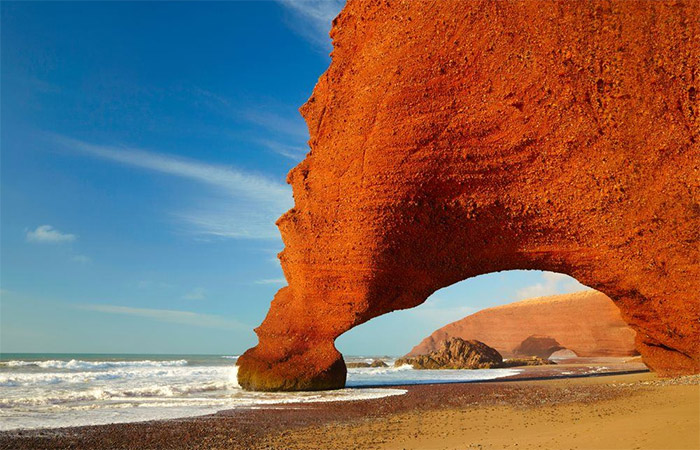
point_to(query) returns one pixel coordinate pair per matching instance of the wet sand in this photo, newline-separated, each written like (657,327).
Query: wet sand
(633,410)
(571,415)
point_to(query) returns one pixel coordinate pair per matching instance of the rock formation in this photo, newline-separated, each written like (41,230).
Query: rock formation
(355,365)
(456,353)
(457,138)
(587,322)
(530,361)
(539,346)
(362,364)
(378,363)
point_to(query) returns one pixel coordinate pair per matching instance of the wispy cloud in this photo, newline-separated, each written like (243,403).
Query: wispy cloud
(312,19)
(552,284)
(196,294)
(438,312)
(169,315)
(276,118)
(82,259)
(225,218)
(246,204)
(272,281)
(46,234)
(291,126)
(293,152)
(284,129)
(235,181)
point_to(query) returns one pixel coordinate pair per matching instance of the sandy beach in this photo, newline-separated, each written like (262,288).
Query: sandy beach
(626,409)
(596,413)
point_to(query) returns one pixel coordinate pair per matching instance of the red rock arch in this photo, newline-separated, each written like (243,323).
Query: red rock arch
(586,322)
(453,139)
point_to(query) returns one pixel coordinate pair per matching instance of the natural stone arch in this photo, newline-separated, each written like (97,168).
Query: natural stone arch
(587,322)
(453,139)
(538,345)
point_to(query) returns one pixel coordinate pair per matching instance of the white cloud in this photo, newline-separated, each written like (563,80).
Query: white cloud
(210,98)
(293,152)
(290,126)
(285,131)
(195,294)
(552,284)
(271,255)
(312,19)
(49,235)
(243,205)
(278,119)
(272,281)
(435,311)
(225,218)
(168,315)
(234,181)
(82,259)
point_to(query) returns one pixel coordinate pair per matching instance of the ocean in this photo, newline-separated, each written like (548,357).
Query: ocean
(60,390)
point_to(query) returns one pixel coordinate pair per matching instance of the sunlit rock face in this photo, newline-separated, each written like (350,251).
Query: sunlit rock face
(587,323)
(455,353)
(457,138)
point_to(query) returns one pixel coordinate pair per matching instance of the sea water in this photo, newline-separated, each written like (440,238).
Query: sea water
(59,390)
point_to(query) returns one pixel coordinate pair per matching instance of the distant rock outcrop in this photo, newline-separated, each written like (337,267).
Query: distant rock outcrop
(539,346)
(531,361)
(363,364)
(456,353)
(587,323)
(356,365)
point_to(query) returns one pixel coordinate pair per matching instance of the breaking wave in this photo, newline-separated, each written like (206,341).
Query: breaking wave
(54,392)
(75,364)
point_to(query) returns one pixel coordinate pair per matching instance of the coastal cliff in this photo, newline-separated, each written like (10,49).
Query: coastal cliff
(587,323)
(458,138)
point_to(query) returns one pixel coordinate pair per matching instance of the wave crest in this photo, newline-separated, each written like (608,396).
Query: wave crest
(76,364)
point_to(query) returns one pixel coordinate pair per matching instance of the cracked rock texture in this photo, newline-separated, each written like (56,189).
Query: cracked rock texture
(456,138)
(455,353)
(588,323)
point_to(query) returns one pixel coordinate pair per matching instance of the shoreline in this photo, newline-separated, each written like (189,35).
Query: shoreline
(287,425)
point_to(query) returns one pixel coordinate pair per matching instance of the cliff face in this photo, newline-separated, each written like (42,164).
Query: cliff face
(587,323)
(456,138)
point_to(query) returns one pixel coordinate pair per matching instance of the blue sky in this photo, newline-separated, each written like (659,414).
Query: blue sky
(144,148)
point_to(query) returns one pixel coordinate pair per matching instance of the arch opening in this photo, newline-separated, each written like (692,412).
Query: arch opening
(563,354)
(521,314)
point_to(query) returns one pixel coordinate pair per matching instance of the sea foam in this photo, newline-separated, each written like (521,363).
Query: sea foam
(81,391)
(78,364)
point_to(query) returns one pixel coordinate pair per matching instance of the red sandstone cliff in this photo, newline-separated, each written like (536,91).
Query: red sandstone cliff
(587,323)
(451,139)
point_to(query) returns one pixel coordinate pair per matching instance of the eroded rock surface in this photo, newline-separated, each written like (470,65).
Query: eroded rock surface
(362,364)
(587,322)
(456,138)
(539,346)
(456,353)
(529,361)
